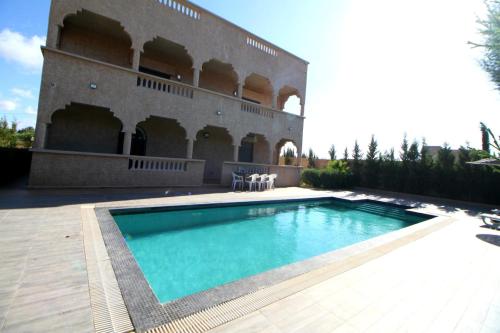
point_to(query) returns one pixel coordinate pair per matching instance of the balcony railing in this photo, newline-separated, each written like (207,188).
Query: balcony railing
(256,109)
(155,164)
(165,86)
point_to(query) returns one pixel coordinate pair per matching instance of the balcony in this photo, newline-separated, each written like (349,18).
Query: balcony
(135,96)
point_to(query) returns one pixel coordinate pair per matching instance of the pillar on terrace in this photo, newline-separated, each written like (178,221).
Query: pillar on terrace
(299,154)
(196,77)
(190,147)
(127,142)
(275,100)
(240,90)
(236,152)
(136,59)
(41,135)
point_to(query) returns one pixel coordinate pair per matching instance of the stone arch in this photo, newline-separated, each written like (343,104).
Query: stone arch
(84,128)
(215,145)
(218,76)
(165,137)
(280,148)
(284,95)
(258,89)
(255,148)
(95,36)
(167,59)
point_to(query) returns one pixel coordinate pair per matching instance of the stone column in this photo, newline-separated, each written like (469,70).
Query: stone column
(190,146)
(127,142)
(196,77)
(240,90)
(302,109)
(299,154)
(40,135)
(275,101)
(236,153)
(136,59)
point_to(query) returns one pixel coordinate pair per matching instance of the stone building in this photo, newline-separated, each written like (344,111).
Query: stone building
(160,93)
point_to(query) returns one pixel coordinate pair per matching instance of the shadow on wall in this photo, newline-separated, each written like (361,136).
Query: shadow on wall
(15,164)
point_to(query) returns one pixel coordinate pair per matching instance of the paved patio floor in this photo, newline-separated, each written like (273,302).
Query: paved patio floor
(445,282)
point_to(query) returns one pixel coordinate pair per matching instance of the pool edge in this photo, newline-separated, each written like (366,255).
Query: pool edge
(147,312)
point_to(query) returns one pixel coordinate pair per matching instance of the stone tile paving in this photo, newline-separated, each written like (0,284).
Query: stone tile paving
(447,281)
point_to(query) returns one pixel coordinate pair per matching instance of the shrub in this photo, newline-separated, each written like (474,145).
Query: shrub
(336,175)
(311,177)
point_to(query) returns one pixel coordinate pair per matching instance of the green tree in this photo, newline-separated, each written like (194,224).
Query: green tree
(371,155)
(346,155)
(332,153)
(311,159)
(490,29)
(25,137)
(357,155)
(371,165)
(445,158)
(425,159)
(8,138)
(404,150)
(289,154)
(485,138)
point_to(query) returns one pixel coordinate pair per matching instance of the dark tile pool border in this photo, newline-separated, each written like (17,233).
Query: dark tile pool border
(145,309)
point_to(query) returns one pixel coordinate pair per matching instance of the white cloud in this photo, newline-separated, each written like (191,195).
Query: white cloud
(24,93)
(7,105)
(30,110)
(15,47)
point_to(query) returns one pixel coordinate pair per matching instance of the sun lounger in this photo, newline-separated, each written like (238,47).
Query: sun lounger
(491,220)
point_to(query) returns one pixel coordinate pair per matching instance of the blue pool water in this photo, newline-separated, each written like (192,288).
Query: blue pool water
(182,252)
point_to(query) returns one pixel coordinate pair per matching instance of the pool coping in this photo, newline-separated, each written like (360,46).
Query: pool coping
(147,312)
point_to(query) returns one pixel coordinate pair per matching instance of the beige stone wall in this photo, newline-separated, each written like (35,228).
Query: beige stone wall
(96,46)
(81,128)
(67,169)
(209,37)
(287,175)
(261,151)
(171,69)
(217,82)
(215,150)
(165,138)
(264,99)
(67,79)
(94,70)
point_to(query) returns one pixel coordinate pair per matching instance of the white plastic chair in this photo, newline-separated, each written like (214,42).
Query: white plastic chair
(237,181)
(270,181)
(262,182)
(251,181)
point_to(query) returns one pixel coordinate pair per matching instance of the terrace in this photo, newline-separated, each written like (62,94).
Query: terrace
(383,285)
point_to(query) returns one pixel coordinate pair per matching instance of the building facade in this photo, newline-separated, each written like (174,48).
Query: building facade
(160,93)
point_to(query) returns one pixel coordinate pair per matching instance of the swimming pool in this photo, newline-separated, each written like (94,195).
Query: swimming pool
(186,251)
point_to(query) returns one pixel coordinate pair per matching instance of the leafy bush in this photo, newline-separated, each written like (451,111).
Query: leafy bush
(336,175)
(311,177)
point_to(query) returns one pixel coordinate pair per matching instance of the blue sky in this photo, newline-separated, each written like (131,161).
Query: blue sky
(385,67)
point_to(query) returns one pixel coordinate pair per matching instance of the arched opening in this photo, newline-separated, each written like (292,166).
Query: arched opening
(220,77)
(215,146)
(139,142)
(254,148)
(84,128)
(163,137)
(289,100)
(168,60)
(258,89)
(285,153)
(97,37)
